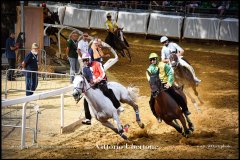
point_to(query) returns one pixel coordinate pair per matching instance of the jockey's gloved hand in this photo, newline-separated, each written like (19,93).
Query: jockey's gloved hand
(96,80)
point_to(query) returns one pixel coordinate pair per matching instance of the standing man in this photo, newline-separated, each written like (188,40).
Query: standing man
(82,48)
(30,63)
(11,47)
(72,54)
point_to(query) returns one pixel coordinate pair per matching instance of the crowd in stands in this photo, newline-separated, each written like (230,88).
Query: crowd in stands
(220,8)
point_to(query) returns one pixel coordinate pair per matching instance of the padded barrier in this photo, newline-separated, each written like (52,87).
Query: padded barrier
(201,28)
(167,25)
(133,22)
(75,17)
(59,9)
(229,30)
(99,17)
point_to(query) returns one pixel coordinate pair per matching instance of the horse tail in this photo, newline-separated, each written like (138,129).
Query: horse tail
(133,92)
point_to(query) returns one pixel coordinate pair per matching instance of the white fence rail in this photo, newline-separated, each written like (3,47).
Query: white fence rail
(53,84)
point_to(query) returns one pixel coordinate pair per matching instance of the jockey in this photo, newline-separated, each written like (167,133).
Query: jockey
(163,71)
(46,11)
(111,27)
(169,48)
(96,76)
(110,24)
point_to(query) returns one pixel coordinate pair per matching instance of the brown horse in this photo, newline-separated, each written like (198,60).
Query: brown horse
(118,42)
(53,19)
(184,77)
(167,108)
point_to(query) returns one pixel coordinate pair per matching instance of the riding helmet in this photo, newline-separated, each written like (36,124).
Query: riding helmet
(163,39)
(109,15)
(86,56)
(153,55)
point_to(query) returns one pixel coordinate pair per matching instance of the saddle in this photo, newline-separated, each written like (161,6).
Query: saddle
(102,85)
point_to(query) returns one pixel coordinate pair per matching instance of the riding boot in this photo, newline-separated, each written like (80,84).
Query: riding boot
(179,99)
(190,68)
(113,98)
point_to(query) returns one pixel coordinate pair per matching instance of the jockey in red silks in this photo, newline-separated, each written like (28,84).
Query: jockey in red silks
(94,73)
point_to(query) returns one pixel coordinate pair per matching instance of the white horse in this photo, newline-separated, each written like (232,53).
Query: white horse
(102,107)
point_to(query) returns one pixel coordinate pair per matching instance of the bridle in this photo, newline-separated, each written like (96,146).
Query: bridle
(84,89)
(173,63)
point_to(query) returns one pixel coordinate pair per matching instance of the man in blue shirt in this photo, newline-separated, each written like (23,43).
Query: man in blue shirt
(11,55)
(30,63)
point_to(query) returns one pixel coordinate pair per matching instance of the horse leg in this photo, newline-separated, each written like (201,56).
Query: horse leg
(196,93)
(186,130)
(110,125)
(190,124)
(193,100)
(135,107)
(174,125)
(128,54)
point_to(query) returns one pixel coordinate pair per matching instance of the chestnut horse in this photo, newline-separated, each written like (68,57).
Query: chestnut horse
(167,108)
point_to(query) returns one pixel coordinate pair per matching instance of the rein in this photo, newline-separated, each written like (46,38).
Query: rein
(83,90)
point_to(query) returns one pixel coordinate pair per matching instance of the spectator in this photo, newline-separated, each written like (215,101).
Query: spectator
(164,3)
(224,6)
(96,52)
(72,54)
(30,63)
(192,5)
(82,49)
(11,47)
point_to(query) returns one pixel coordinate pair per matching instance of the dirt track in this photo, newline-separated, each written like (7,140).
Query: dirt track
(216,128)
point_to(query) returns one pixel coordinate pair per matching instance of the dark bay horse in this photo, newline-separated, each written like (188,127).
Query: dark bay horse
(118,42)
(53,19)
(167,108)
(184,77)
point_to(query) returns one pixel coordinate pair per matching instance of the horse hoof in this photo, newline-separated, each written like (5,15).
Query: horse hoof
(141,125)
(124,136)
(191,129)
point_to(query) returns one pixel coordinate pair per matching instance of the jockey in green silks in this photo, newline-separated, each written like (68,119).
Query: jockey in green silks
(160,71)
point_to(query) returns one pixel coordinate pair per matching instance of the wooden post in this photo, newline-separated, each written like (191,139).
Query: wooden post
(33,27)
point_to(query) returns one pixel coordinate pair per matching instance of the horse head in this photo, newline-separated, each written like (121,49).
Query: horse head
(55,17)
(155,84)
(80,86)
(173,60)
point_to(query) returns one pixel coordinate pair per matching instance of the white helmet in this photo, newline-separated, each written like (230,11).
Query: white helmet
(86,56)
(163,39)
